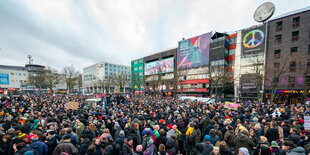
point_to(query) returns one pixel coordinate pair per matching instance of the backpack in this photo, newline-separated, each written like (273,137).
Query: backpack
(149,151)
(274,151)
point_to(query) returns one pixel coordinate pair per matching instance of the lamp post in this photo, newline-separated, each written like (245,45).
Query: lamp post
(262,94)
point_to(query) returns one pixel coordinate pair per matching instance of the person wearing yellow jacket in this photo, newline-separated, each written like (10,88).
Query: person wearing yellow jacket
(190,129)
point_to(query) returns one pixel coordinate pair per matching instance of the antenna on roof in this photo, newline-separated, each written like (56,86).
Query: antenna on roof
(30,59)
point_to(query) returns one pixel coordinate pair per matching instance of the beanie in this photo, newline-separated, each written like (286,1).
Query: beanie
(150,142)
(274,143)
(170,126)
(34,138)
(244,151)
(122,133)
(139,148)
(156,127)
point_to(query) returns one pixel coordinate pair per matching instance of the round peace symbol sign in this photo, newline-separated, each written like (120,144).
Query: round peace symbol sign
(253,38)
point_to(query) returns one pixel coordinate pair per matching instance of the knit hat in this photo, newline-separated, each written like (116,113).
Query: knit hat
(170,126)
(244,151)
(139,148)
(174,127)
(162,121)
(116,124)
(207,138)
(227,117)
(274,143)
(150,142)
(22,135)
(136,125)
(66,137)
(99,117)
(11,131)
(34,138)
(125,119)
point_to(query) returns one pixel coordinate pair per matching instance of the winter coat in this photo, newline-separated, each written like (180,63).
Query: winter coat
(156,133)
(286,130)
(52,143)
(79,129)
(296,151)
(195,137)
(145,140)
(225,151)
(85,144)
(243,140)
(214,139)
(262,148)
(126,150)
(74,139)
(170,146)
(160,140)
(25,149)
(294,138)
(207,148)
(170,133)
(7,148)
(229,138)
(272,134)
(66,147)
(40,147)
(259,133)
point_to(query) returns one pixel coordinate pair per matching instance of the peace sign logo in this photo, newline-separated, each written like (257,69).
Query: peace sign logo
(253,38)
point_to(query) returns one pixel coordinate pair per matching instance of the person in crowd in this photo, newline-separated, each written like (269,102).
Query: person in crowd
(66,147)
(224,149)
(37,145)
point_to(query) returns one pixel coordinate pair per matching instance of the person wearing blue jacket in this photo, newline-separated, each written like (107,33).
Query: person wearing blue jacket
(39,146)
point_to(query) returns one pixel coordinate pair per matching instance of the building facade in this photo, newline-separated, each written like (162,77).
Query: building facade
(137,75)
(160,72)
(288,56)
(12,78)
(106,77)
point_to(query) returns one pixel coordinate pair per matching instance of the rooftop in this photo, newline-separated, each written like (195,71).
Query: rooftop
(291,13)
(13,67)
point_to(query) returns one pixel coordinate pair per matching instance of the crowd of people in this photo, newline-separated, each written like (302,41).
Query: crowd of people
(146,125)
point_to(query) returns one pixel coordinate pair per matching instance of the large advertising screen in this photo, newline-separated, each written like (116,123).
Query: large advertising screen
(4,78)
(194,52)
(160,66)
(253,40)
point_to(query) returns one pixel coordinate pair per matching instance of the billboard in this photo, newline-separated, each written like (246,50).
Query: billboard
(159,66)
(194,52)
(253,40)
(4,78)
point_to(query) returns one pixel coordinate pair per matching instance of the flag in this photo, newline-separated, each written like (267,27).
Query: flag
(231,105)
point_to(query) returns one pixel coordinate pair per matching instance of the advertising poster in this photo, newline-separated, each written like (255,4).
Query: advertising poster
(160,66)
(231,105)
(194,52)
(4,78)
(253,40)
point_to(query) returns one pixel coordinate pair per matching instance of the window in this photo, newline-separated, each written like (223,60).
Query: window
(24,74)
(291,81)
(308,65)
(308,80)
(295,35)
(294,49)
(293,66)
(278,39)
(296,21)
(13,73)
(20,74)
(279,26)
(308,49)
(277,53)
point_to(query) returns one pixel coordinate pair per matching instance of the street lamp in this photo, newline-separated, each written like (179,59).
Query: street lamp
(262,93)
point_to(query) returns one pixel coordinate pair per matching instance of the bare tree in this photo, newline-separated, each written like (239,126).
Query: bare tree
(273,74)
(218,79)
(180,79)
(121,80)
(51,78)
(71,75)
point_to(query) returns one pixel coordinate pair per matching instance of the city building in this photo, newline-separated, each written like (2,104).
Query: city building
(287,67)
(160,72)
(34,71)
(12,78)
(137,75)
(106,77)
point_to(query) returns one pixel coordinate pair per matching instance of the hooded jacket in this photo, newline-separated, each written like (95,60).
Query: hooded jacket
(85,144)
(296,151)
(66,147)
(40,147)
(243,140)
(171,146)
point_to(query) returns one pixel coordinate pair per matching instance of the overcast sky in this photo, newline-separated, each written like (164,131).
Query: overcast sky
(59,33)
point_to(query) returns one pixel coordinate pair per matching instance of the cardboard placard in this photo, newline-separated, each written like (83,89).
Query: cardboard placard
(73,105)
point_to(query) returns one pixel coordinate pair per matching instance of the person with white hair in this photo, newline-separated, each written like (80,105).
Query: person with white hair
(258,130)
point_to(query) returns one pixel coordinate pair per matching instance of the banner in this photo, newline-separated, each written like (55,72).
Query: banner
(231,105)
(253,39)
(194,52)
(307,122)
(73,105)
(4,78)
